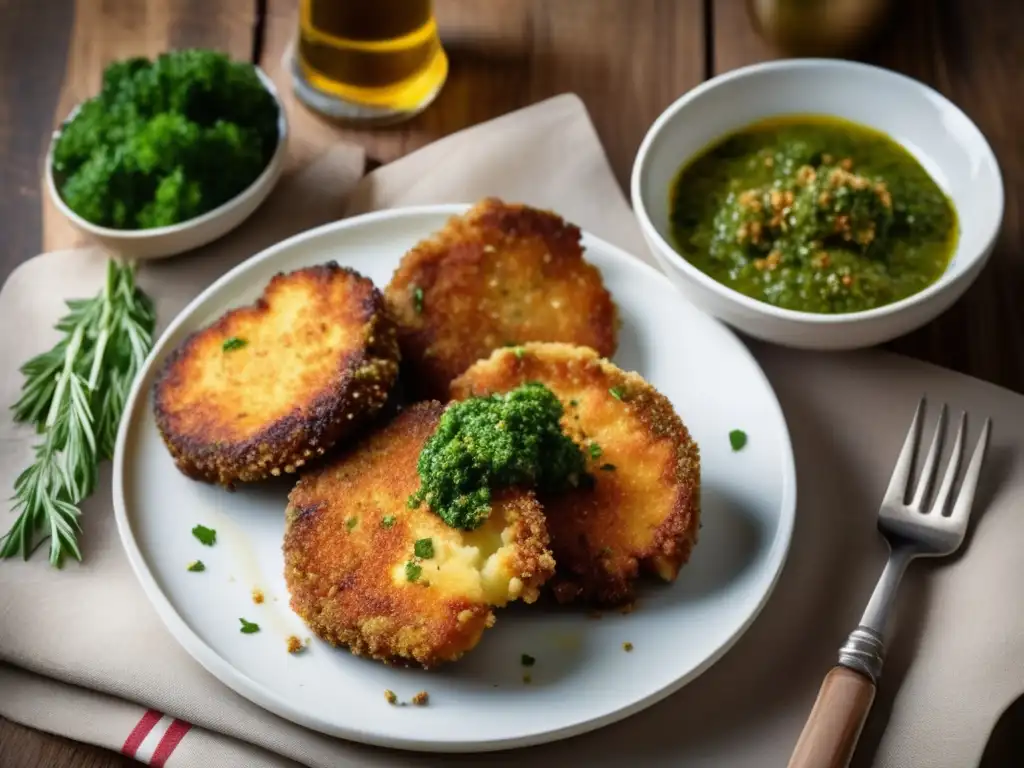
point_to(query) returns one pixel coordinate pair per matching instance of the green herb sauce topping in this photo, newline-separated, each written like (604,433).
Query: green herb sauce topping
(424,548)
(501,440)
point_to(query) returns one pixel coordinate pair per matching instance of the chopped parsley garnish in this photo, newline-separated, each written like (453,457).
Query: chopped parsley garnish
(412,571)
(608,467)
(528,660)
(233,343)
(491,442)
(417,299)
(387,521)
(248,627)
(207,536)
(737,439)
(166,140)
(574,403)
(519,352)
(424,548)
(627,647)
(351,523)
(616,392)
(595,450)
(196,566)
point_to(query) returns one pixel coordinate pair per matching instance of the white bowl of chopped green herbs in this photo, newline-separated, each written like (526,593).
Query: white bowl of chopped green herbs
(818,203)
(171,154)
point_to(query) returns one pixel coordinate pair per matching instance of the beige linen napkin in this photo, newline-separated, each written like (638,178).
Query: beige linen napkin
(87,657)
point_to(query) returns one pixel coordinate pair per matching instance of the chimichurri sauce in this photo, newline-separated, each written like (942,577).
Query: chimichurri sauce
(813,214)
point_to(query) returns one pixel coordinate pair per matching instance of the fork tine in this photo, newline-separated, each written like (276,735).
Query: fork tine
(897,490)
(942,497)
(964,500)
(927,476)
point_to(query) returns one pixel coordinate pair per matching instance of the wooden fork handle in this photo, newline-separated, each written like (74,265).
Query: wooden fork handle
(832,729)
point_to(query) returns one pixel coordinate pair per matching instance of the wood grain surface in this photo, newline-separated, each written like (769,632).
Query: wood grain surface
(627,59)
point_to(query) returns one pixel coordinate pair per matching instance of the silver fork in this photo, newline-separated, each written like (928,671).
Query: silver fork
(914,529)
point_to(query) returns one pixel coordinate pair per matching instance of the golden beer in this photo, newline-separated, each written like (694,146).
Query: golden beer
(377,60)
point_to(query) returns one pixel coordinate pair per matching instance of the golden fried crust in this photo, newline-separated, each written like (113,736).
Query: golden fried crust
(500,274)
(350,533)
(316,357)
(643,513)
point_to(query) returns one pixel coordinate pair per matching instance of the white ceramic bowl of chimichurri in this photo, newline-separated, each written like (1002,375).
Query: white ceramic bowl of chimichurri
(818,203)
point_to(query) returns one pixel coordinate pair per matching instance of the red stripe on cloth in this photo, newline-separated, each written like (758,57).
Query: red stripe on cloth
(140,732)
(175,733)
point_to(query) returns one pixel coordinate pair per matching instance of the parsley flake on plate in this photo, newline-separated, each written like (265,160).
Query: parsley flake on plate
(737,439)
(196,566)
(248,627)
(206,536)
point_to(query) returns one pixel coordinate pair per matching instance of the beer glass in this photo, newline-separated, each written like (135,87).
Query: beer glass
(368,60)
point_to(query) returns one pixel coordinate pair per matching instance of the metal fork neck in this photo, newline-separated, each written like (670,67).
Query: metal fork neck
(879,609)
(864,650)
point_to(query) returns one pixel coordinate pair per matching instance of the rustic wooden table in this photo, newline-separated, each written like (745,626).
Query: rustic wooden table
(627,59)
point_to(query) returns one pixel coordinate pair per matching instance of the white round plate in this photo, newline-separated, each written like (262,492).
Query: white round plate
(582,678)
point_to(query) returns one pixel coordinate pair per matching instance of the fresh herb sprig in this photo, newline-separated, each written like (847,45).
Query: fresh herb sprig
(74,394)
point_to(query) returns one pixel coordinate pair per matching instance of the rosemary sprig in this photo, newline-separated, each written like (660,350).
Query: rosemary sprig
(74,394)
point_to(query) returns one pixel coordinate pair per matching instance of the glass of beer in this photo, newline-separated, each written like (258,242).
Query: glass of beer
(378,61)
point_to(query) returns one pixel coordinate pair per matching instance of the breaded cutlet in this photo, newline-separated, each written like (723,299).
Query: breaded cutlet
(642,513)
(350,551)
(498,275)
(269,386)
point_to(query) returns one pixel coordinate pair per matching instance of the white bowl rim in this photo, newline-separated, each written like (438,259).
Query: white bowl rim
(269,170)
(792,315)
